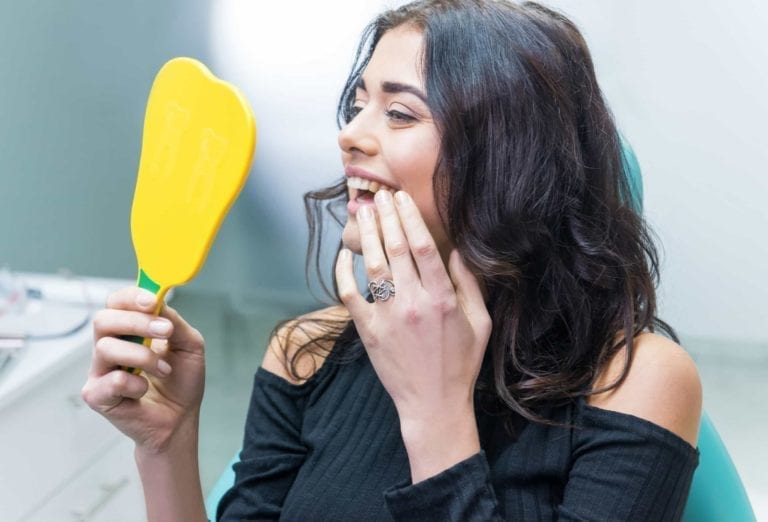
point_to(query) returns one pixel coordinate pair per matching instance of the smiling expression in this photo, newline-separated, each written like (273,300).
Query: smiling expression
(392,142)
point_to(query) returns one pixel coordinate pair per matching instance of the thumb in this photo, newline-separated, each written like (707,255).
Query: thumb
(184,336)
(467,285)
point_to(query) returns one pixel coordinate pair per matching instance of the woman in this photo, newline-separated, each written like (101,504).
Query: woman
(504,365)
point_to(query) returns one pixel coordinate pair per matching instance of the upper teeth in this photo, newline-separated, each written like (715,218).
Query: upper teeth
(363,184)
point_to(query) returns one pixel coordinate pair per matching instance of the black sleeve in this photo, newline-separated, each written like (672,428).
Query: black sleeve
(626,468)
(272,450)
(463,492)
(622,468)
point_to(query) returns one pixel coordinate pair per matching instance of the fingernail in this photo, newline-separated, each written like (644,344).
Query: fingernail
(160,327)
(145,298)
(163,367)
(401,197)
(383,196)
(366,213)
(344,254)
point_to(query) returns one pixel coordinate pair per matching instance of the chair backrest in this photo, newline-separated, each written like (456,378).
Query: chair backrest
(223,483)
(717,493)
(634,178)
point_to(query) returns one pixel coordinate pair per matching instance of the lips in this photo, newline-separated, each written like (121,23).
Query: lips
(361,192)
(362,185)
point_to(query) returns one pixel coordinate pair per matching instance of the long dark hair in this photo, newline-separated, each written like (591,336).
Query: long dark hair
(533,192)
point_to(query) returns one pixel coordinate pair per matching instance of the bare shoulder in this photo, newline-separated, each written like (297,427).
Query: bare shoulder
(292,335)
(662,386)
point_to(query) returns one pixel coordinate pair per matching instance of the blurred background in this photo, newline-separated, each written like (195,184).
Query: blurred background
(686,81)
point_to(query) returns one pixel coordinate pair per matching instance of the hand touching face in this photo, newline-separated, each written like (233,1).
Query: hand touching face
(392,141)
(426,342)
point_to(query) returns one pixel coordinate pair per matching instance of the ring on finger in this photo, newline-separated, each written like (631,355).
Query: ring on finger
(382,289)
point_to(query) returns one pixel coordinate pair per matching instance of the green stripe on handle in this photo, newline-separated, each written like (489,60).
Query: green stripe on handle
(145,282)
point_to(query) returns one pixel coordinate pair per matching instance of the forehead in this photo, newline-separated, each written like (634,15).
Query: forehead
(397,57)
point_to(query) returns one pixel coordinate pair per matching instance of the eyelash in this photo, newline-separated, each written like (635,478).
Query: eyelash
(399,117)
(396,116)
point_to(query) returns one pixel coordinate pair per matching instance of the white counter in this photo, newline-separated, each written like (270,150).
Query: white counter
(61,460)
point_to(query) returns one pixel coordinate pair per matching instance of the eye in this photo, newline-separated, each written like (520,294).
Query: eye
(399,117)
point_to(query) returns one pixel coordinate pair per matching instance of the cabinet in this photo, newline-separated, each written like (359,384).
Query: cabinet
(106,491)
(59,460)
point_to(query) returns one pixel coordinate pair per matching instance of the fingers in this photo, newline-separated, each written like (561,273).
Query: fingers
(467,286)
(347,285)
(114,322)
(111,352)
(130,312)
(376,265)
(423,247)
(396,247)
(106,392)
(183,336)
(141,305)
(468,291)
(406,239)
(132,298)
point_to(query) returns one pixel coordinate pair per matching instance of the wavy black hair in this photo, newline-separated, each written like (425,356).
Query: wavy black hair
(533,193)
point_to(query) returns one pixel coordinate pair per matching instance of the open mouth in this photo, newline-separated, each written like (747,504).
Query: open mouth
(364,189)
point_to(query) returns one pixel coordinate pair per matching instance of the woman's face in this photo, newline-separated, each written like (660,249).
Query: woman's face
(392,141)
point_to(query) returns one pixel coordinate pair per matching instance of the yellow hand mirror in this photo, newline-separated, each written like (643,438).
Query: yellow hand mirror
(197,147)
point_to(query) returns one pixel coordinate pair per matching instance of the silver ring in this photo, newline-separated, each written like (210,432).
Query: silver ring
(381,289)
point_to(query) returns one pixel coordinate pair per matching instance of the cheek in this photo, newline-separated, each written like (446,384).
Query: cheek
(414,166)
(429,212)
(413,152)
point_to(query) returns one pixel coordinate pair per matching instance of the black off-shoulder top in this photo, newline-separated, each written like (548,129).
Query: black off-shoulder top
(330,449)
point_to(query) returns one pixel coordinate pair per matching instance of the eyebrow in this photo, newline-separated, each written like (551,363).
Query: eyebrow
(395,87)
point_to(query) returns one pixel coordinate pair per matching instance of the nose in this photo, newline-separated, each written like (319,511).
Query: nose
(359,136)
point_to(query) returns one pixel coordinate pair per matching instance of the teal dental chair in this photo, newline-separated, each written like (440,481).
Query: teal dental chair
(717,493)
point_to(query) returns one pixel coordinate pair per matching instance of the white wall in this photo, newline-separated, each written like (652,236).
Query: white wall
(686,81)
(291,59)
(73,94)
